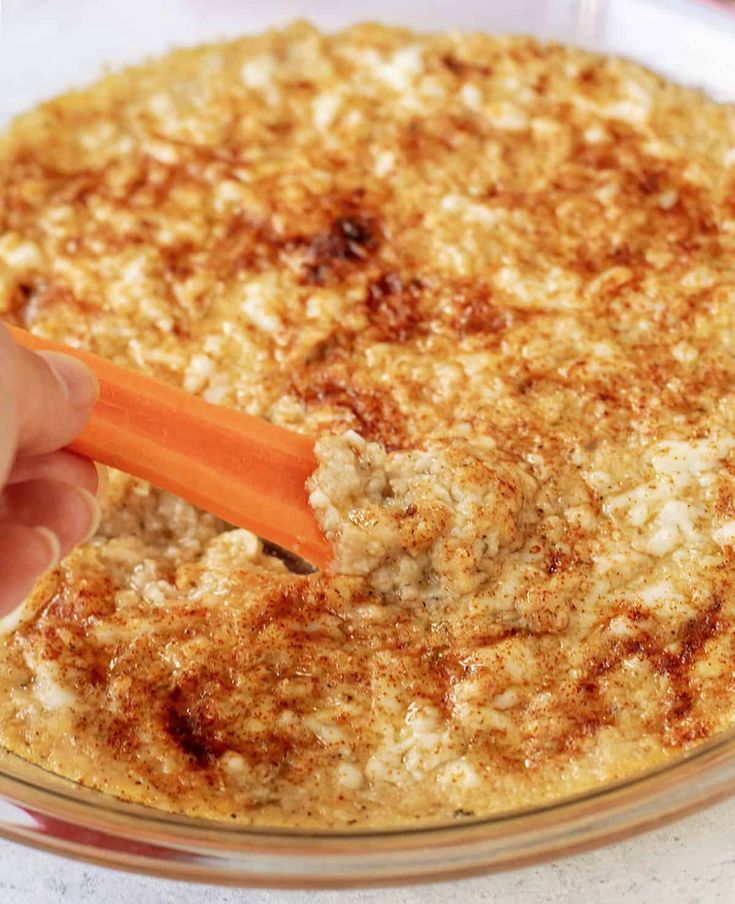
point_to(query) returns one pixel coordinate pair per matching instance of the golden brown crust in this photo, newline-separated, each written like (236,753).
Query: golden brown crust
(425,239)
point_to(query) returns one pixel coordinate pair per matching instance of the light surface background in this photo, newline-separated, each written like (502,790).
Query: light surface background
(49,45)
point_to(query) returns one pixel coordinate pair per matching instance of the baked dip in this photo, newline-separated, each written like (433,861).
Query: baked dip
(497,281)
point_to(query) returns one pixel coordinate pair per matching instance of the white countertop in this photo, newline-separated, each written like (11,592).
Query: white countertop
(688,862)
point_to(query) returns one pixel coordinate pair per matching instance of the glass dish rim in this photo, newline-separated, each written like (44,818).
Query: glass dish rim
(88,825)
(108,803)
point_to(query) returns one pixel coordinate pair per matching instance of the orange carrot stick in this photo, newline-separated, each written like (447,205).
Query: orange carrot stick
(239,467)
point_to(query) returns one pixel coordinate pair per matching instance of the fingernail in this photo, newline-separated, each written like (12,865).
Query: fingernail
(103,480)
(80,384)
(54,546)
(95,511)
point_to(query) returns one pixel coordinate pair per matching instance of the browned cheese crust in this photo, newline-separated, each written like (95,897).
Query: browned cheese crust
(498,279)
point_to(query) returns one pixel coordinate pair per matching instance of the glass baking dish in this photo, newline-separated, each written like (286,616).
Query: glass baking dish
(691,42)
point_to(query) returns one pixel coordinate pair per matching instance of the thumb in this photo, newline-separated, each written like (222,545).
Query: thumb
(54,396)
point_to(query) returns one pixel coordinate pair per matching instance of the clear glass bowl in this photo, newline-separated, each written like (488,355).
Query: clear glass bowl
(691,42)
(40,809)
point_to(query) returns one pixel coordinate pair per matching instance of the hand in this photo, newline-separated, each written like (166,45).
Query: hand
(47,501)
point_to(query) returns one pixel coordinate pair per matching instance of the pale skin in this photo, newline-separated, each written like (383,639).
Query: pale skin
(47,493)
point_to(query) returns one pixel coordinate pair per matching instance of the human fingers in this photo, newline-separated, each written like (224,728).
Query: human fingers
(54,396)
(70,512)
(25,554)
(8,406)
(66,466)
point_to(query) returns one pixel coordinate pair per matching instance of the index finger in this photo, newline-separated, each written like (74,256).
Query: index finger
(8,418)
(53,394)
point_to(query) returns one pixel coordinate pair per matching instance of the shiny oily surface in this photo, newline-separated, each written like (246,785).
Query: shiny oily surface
(496,277)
